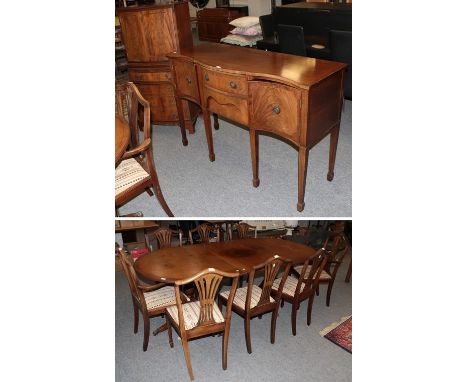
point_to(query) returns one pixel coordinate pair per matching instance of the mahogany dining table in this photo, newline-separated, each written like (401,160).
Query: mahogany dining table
(122,136)
(176,263)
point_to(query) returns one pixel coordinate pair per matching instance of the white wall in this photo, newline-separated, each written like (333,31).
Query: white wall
(256,7)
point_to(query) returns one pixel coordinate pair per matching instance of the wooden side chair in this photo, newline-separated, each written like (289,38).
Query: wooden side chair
(204,230)
(253,300)
(297,290)
(150,300)
(136,172)
(243,230)
(339,248)
(203,317)
(164,236)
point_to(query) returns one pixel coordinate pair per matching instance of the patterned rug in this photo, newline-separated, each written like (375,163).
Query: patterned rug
(340,333)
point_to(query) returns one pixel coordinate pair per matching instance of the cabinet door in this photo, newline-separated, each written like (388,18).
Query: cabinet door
(148,35)
(275,108)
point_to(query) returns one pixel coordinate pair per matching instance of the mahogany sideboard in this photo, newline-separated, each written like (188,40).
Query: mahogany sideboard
(296,98)
(149,32)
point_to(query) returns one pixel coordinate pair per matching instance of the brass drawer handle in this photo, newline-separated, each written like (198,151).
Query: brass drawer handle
(189,80)
(232,84)
(206,77)
(276,110)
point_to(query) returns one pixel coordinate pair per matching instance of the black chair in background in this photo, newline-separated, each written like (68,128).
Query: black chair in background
(291,40)
(341,51)
(267,23)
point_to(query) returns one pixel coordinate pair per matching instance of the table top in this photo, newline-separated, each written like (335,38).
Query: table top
(122,136)
(171,264)
(300,71)
(133,225)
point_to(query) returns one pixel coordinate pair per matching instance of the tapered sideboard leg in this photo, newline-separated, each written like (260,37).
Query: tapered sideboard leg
(302,176)
(254,155)
(333,145)
(209,135)
(180,113)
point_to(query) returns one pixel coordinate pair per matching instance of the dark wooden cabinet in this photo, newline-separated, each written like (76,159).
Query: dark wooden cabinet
(150,32)
(213,23)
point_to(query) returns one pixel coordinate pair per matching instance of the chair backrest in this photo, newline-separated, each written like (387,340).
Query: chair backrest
(271,268)
(243,230)
(164,236)
(204,230)
(131,105)
(130,274)
(338,246)
(267,23)
(317,263)
(291,39)
(207,283)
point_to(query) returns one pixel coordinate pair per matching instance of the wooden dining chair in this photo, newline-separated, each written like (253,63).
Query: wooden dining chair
(202,317)
(253,300)
(297,290)
(243,230)
(136,172)
(164,237)
(204,231)
(150,300)
(338,248)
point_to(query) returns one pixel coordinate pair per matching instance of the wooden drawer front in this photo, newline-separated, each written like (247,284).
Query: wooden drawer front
(144,76)
(162,102)
(229,83)
(186,79)
(275,108)
(234,108)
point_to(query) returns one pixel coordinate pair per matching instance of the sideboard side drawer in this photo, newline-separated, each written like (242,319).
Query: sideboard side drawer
(225,82)
(186,79)
(275,108)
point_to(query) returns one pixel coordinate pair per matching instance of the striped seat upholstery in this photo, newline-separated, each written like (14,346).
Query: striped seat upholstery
(129,173)
(323,276)
(241,296)
(191,312)
(160,298)
(289,286)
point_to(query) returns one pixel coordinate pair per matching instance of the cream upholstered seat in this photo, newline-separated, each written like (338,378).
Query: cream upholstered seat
(324,275)
(160,298)
(241,296)
(129,173)
(289,285)
(191,311)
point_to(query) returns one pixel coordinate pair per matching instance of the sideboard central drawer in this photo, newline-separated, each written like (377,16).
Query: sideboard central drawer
(226,82)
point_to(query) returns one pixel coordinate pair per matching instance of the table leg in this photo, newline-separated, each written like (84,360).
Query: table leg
(333,145)
(180,113)
(302,176)
(209,135)
(254,155)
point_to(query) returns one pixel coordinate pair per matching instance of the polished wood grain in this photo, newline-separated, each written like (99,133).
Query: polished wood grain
(298,99)
(171,264)
(122,136)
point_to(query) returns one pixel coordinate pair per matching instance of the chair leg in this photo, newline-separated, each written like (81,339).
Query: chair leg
(169,332)
(146,332)
(330,286)
(294,318)
(187,357)
(282,302)
(136,316)
(309,308)
(149,192)
(274,316)
(348,274)
(225,347)
(247,334)
(161,199)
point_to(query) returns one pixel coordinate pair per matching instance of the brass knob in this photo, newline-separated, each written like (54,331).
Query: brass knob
(206,77)
(189,80)
(276,110)
(232,84)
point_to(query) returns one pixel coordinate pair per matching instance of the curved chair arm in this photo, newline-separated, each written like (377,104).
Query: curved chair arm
(138,150)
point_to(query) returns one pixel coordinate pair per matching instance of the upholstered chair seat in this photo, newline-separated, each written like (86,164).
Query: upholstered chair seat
(129,173)
(160,298)
(289,286)
(241,296)
(191,312)
(324,275)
